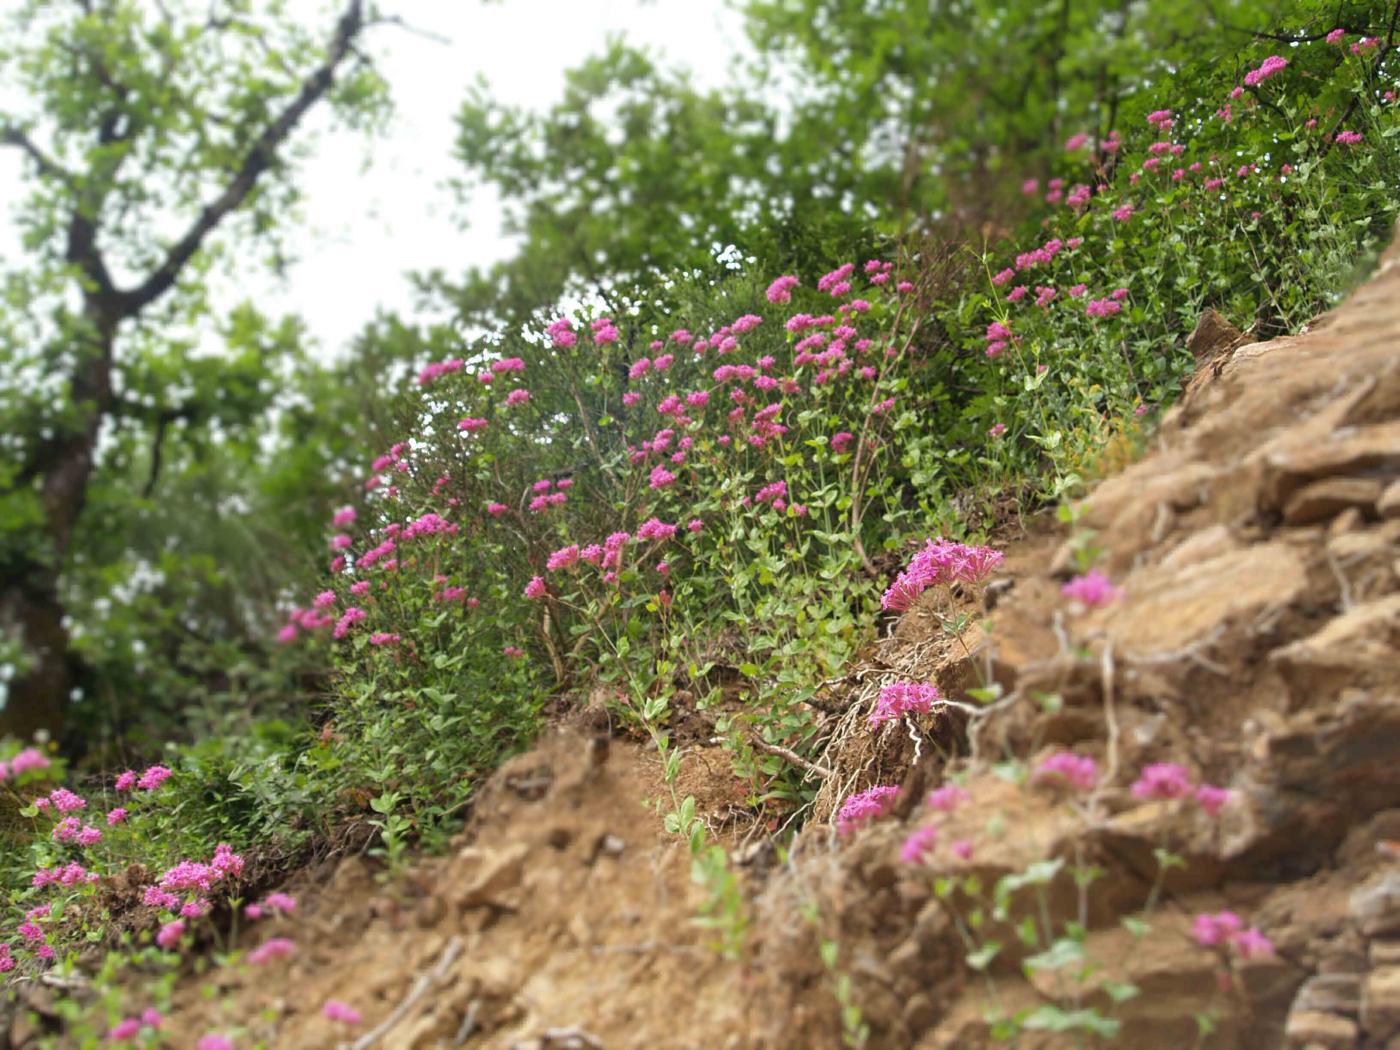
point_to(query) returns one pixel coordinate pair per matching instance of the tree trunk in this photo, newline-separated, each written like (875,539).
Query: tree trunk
(31,607)
(32,612)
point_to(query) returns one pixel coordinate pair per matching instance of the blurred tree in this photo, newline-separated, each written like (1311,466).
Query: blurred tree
(947,106)
(634,173)
(147,129)
(861,119)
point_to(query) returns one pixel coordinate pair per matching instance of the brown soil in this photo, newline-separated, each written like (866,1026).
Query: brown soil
(1258,545)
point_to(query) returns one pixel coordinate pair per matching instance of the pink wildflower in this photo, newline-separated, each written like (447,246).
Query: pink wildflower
(563,558)
(335,1010)
(780,291)
(866,806)
(1163,780)
(655,529)
(127,1029)
(1251,943)
(271,949)
(116,816)
(940,562)
(28,759)
(281,902)
(1212,799)
(1211,930)
(170,934)
(562,332)
(947,798)
(1079,771)
(1271,65)
(535,588)
(920,843)
(1093,589)
(900,698)
(65,801)
(351,616)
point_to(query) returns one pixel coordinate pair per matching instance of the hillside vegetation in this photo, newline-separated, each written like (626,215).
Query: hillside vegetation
(749,489)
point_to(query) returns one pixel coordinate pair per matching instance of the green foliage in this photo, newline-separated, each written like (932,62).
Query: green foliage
(158,148)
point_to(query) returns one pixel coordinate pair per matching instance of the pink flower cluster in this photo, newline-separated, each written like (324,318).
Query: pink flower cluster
(1169,780)
(273,903)
(1091,590)
(940,562)
(865,807)
(1272,65)
(1227,928)
(901,698)
(437,369)
(28,760)
(335,1010)
(1078,771)
(780,291)
(1102,307)
(920,844)
(270,950)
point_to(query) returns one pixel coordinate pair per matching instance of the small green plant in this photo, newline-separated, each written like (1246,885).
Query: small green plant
(855,1031)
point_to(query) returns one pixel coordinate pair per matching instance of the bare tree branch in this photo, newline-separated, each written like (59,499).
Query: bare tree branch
(258,159)
(48,167)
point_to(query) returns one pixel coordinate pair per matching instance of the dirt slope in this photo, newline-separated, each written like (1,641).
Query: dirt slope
(1258,546)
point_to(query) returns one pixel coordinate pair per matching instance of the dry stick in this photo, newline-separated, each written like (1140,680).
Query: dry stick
(559,1035)
(1106,669)
(420,988)
(1341,580)
(791,756)
(1190,652)
(468,1026)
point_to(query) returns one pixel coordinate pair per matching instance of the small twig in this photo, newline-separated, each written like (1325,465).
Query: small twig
(420,988)
(1341,580)
(574,1036)
(77,983)
(974,742)
(1110,712)
(398,22)
(791,756)
(468,1025)
(646,947)
(1190,652)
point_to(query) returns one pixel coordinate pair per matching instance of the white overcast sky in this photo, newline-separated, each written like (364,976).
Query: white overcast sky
(363,229)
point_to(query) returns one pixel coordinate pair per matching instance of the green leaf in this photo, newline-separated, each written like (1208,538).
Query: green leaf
(982,958)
